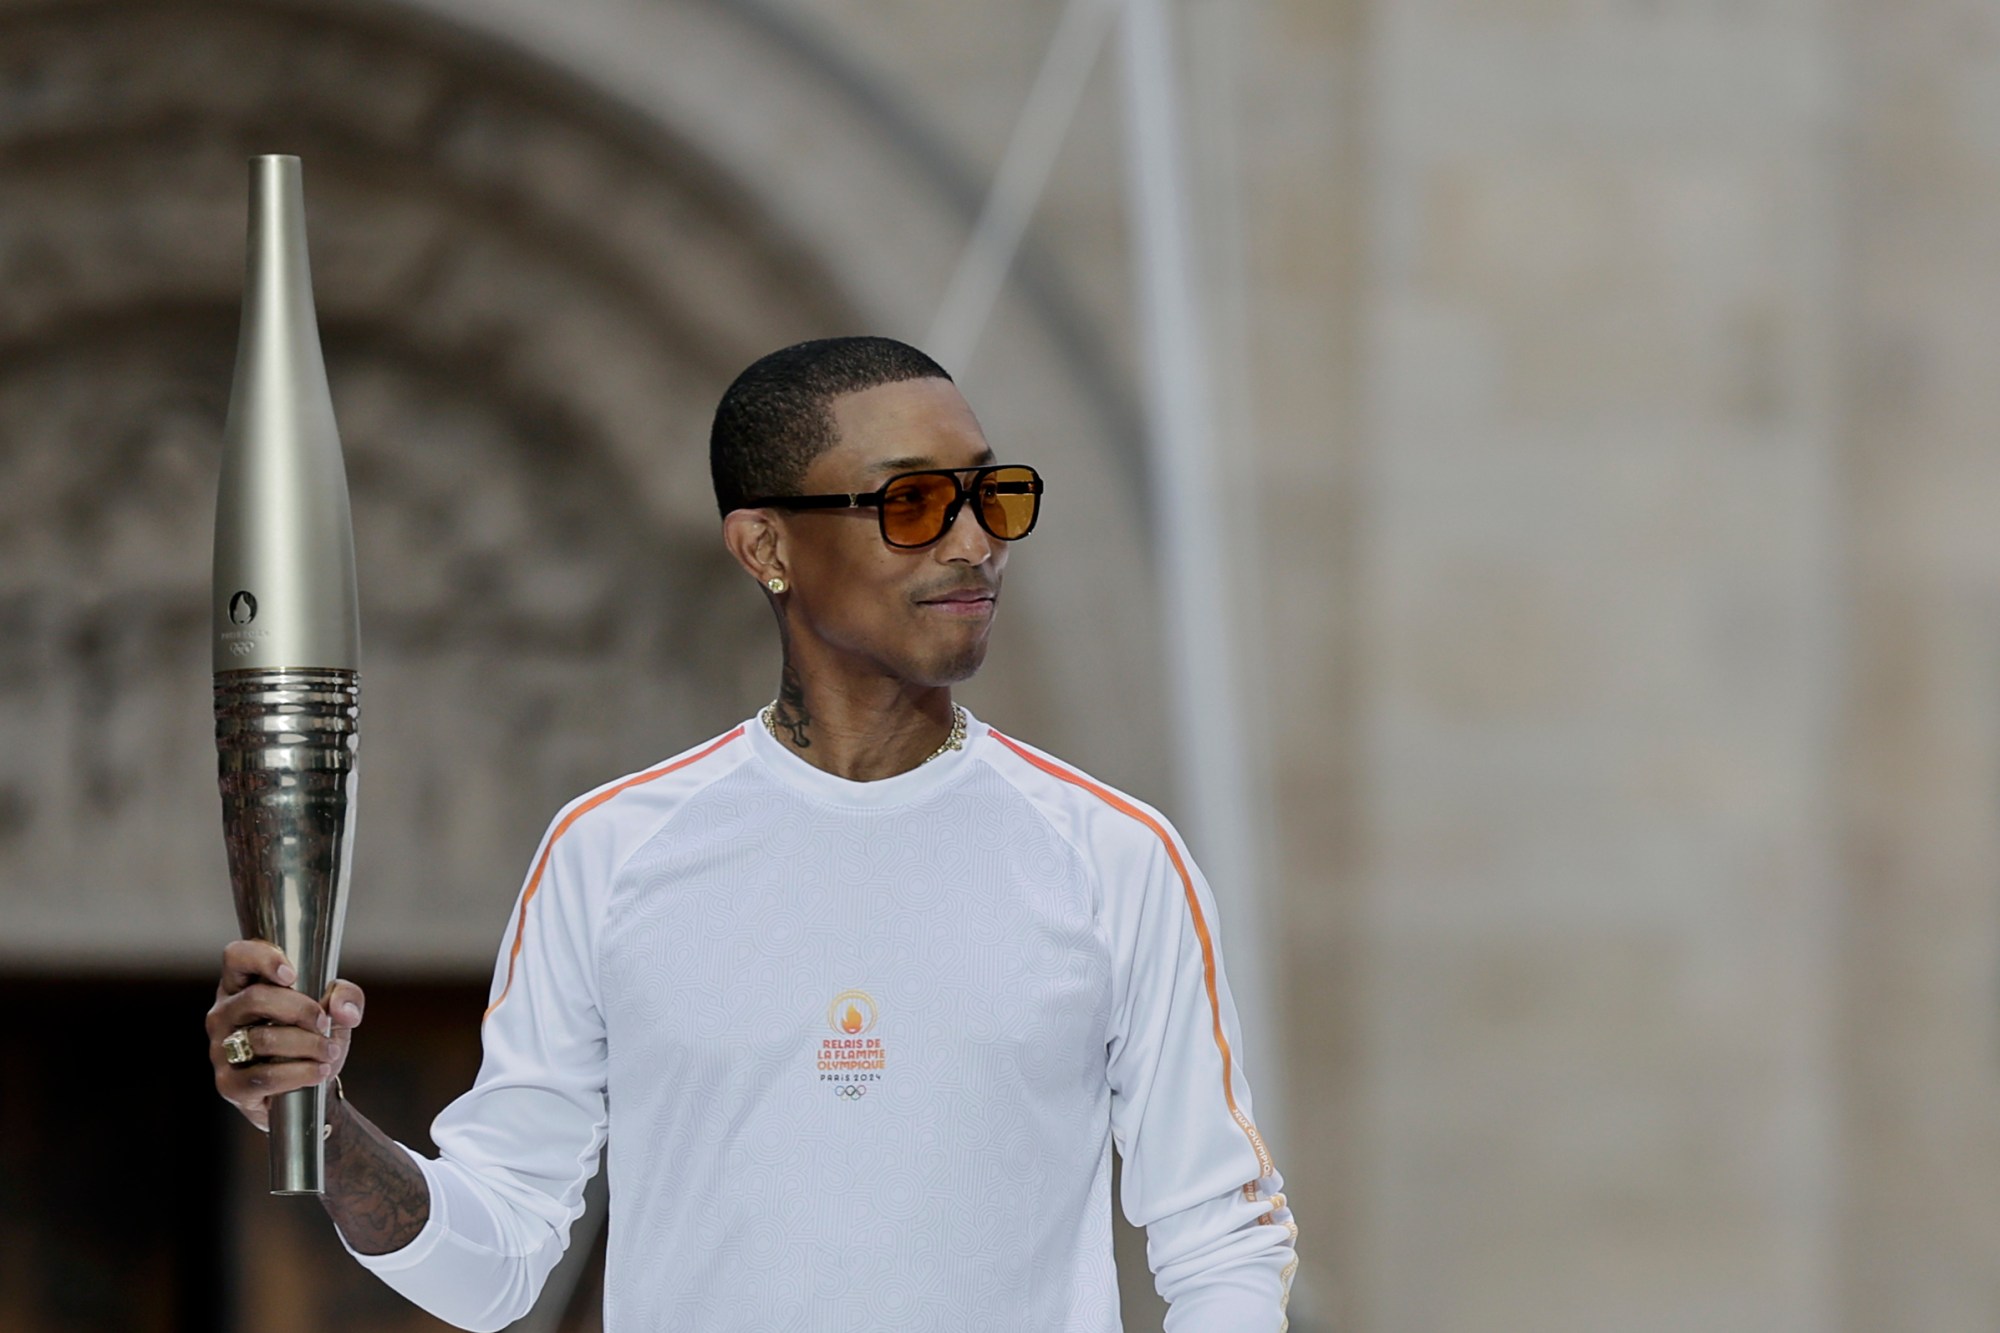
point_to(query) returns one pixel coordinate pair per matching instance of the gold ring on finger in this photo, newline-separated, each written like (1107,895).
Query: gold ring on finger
(236,1047)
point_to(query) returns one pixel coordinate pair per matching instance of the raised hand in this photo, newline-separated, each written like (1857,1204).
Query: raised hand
(293,1041)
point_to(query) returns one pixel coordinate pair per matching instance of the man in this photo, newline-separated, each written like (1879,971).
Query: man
(860,992)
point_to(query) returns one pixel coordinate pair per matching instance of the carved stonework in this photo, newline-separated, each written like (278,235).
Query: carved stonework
(529,303)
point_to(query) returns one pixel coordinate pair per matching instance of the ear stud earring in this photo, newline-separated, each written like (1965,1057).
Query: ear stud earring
(775,585)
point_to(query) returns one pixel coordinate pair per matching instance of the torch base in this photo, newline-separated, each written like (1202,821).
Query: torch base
(298,1145)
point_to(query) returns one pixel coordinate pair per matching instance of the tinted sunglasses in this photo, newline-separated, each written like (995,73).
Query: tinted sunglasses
(916,508)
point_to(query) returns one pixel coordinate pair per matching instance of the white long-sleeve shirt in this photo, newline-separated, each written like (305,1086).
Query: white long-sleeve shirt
(861,1051)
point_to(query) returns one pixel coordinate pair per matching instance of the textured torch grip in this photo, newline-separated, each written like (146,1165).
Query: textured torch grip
(286,742)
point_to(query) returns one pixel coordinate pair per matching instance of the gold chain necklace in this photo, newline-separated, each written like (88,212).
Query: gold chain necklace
(955,741)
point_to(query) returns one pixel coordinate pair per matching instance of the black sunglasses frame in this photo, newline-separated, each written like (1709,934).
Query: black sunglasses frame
(873,499)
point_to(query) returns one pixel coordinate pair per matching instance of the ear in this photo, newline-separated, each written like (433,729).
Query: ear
(757,540)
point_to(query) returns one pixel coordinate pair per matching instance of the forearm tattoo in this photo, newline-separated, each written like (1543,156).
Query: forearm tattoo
(790,716)
(374,1193)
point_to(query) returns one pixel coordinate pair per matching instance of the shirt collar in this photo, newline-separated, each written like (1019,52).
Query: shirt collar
(782,763)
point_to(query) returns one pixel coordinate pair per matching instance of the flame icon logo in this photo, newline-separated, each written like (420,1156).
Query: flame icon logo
(242,608)
(851,1013)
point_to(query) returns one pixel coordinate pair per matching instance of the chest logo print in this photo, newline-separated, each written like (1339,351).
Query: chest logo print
(851,1013)
(851,1058)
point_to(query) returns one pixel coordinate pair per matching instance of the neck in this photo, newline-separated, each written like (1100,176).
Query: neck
(862,728)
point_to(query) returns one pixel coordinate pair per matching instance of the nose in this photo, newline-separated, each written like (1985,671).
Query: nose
(964,541)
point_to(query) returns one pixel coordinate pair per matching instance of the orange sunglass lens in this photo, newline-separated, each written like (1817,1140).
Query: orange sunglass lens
(1008,499)
(913,509)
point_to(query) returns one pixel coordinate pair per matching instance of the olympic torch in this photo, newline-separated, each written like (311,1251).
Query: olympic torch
(287,636)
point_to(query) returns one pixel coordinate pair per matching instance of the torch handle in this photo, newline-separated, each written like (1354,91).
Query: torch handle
(286,745)
(298,1141)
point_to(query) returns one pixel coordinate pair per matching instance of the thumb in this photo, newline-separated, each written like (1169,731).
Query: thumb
(345,1003)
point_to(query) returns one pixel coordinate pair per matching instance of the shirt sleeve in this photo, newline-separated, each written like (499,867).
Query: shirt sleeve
(516,1150)
(1197,1176)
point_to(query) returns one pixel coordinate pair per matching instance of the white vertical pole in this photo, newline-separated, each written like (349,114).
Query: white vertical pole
(1192,533)
(1018,184)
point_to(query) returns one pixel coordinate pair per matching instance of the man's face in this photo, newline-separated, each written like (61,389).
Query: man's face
(919,615)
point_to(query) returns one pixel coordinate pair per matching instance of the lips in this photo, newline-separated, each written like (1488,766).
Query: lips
(962,601)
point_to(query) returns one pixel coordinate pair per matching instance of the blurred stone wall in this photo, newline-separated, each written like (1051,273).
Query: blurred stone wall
(541,590)
(1598,624)
(1641,758)
(1918,768)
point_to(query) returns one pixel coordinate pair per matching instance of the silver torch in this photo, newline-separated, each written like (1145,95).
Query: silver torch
(287,637)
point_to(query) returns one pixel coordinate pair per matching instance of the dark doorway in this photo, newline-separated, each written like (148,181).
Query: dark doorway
(113,1159)
(132,1200)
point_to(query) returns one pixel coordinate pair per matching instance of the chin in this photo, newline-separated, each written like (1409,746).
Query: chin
(955,665)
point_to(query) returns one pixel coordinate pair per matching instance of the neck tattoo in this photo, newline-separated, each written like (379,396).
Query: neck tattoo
(955,741)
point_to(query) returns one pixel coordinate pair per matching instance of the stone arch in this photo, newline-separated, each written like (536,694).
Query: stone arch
(535,270)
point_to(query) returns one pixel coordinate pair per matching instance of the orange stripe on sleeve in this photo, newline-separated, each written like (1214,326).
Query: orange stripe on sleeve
(1123,806)
(542,864)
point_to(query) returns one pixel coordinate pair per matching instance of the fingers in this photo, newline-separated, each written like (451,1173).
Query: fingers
(250,1086)
(266,1004)
(280,1043)
(287,1058)
(256,988)
(245,962)
(297,1042)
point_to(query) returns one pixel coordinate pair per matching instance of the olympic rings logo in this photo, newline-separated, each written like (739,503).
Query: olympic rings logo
(853,1092)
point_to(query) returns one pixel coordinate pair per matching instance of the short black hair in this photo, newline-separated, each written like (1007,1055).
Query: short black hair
(778,415)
